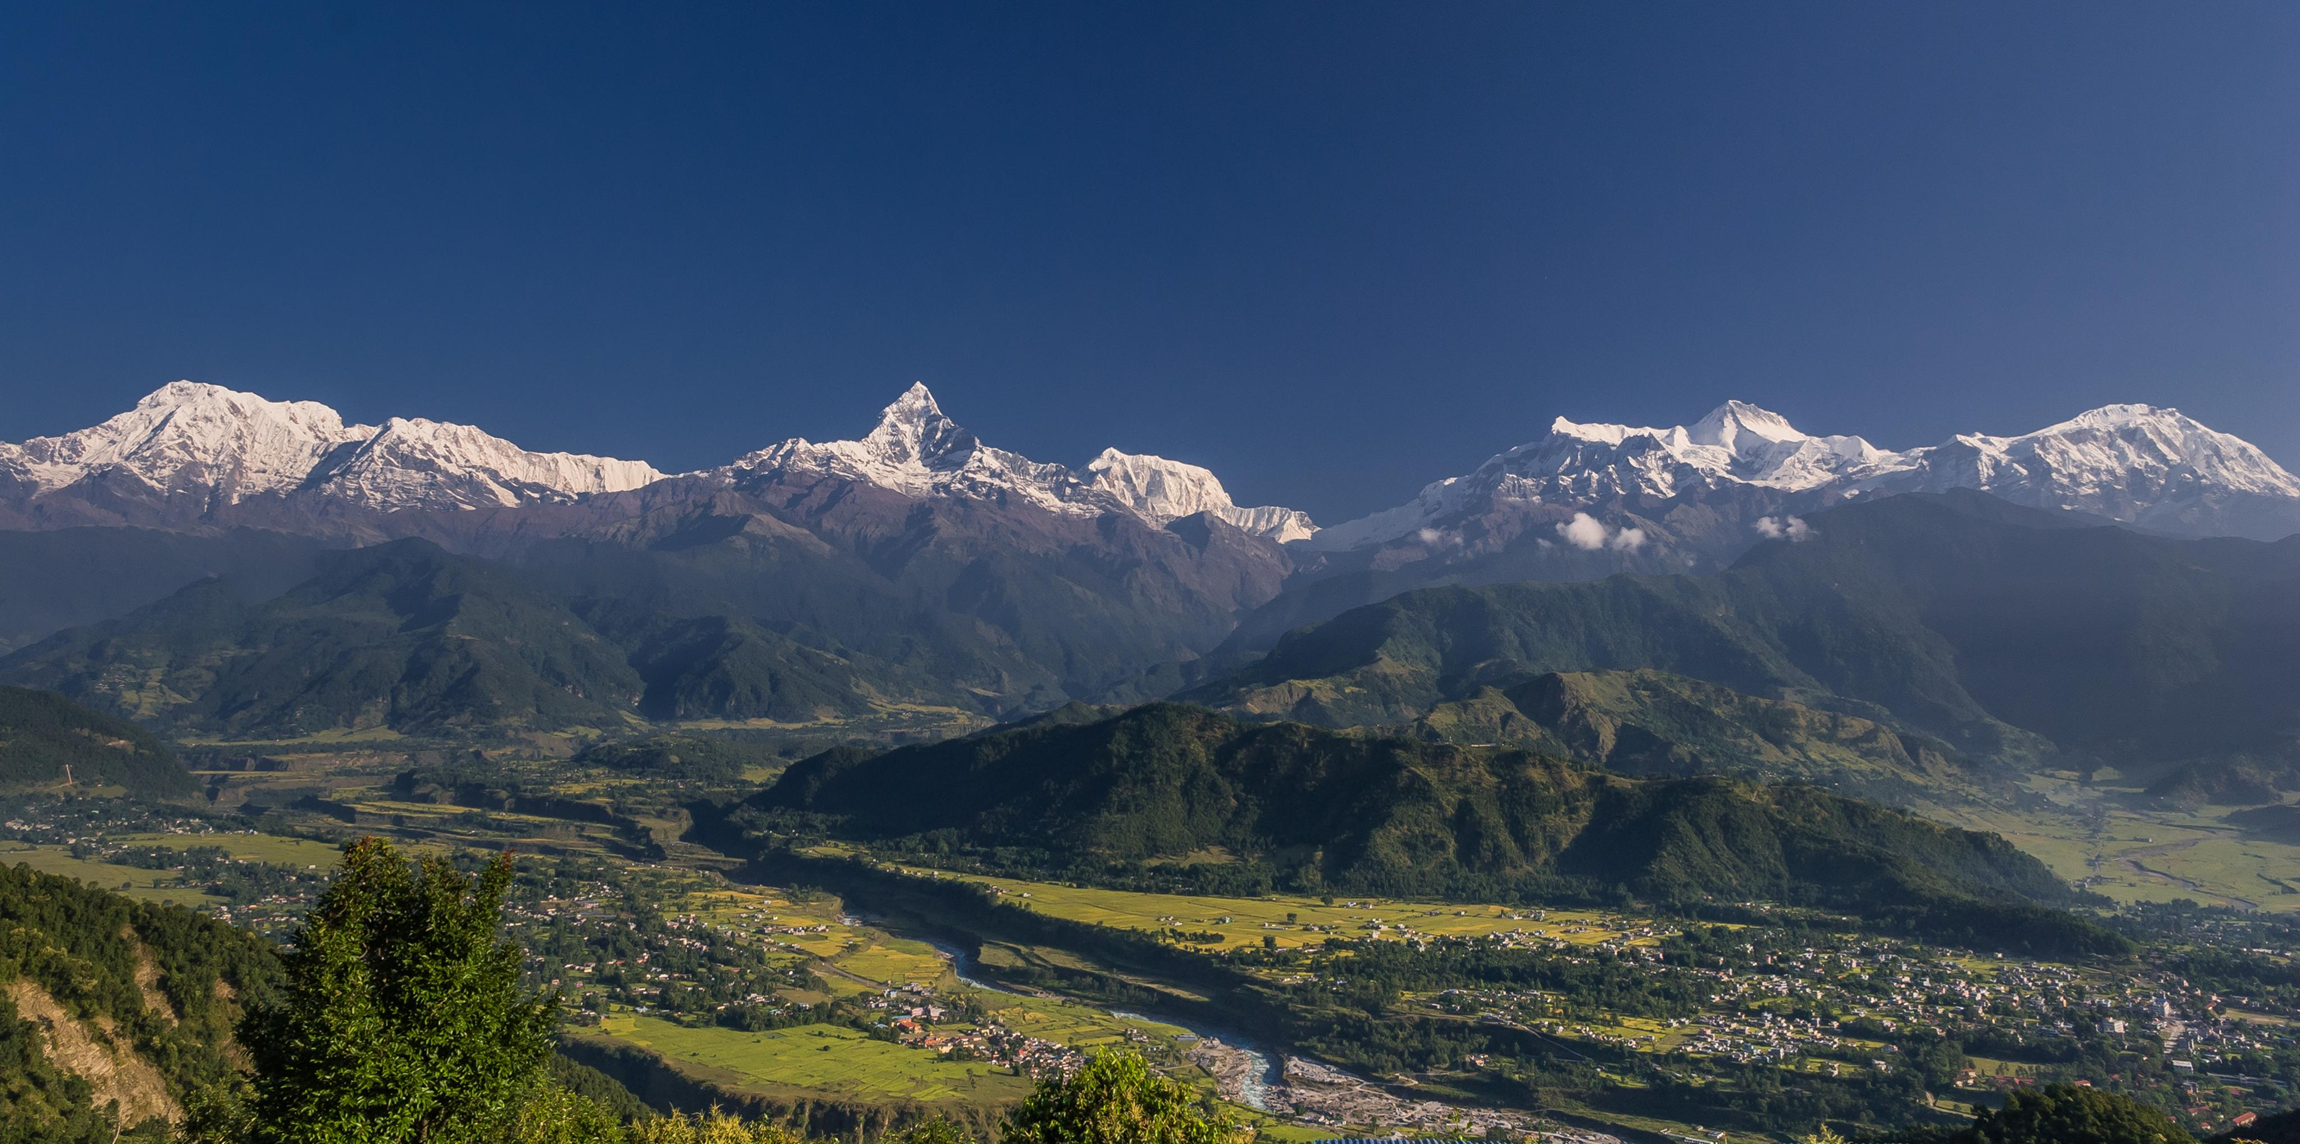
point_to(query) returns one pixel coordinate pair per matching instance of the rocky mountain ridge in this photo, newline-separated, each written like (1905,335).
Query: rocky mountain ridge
(191,449)
(198,448)
(2137,464)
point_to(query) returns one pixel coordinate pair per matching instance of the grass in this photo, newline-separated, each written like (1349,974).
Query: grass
(278,849)
(1297,921)
(129,881)
(2143,855)
(819,1059)
(895,962)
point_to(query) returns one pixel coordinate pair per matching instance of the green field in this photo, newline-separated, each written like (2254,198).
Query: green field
(1295,920)
(818,1059)
(143,885)
(278,849)
(2093,837)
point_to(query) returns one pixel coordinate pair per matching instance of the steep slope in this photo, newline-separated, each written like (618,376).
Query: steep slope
(48,742)
(1388,814)
(1958,614)
(86,1021)
(1163,491)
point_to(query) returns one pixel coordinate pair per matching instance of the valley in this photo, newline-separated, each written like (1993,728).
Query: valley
(733,976)
(1722,782)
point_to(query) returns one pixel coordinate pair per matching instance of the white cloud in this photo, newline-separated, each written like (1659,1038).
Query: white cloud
(1590,534)
(1583,532)
(1791,528)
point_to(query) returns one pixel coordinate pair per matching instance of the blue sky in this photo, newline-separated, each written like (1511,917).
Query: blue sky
(1331,250)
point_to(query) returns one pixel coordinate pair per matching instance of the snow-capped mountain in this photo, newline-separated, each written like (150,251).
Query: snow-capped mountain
(2152,467)
(218,447)
(1160,490)
(917,450)
(419,463)
(186,438)
(190,449)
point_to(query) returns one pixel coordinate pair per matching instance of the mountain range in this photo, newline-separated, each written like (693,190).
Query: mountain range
(2011,634)
(191,451)
(917,564)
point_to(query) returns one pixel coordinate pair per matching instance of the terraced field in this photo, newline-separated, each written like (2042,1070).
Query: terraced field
(815,1059)
(1291,921)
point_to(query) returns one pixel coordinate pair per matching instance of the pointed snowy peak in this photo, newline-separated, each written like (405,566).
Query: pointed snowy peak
(914,430)
(917,450)
(1162,491)
(1738,424)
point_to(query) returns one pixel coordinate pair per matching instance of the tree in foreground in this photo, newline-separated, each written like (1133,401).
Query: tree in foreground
(404,1016)
(2057,1114)
(2066,1114)
(1116,1099)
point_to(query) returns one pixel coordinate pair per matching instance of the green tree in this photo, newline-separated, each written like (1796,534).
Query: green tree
(2066,1114)
(940,1130)
(1116,1099)
(404,1018)
(716,1128)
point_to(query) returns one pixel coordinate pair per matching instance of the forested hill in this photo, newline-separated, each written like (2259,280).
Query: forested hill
(1993,627)
(107,999)
(1654,722)
(1398,815)
(408,638)
(43,733)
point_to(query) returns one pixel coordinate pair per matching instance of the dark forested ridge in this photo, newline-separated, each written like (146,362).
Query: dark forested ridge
(407,637)
(43,733)
(2001,630)
(1394,814)
(1655,723)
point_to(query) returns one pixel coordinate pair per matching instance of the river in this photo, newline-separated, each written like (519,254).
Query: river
(1260,1067)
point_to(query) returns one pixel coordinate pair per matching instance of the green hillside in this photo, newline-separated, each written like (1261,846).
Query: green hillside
(105,999)
(1385,814)
(406,638)
(401,636)
(2002,631)
(43,733)
(1655,723)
